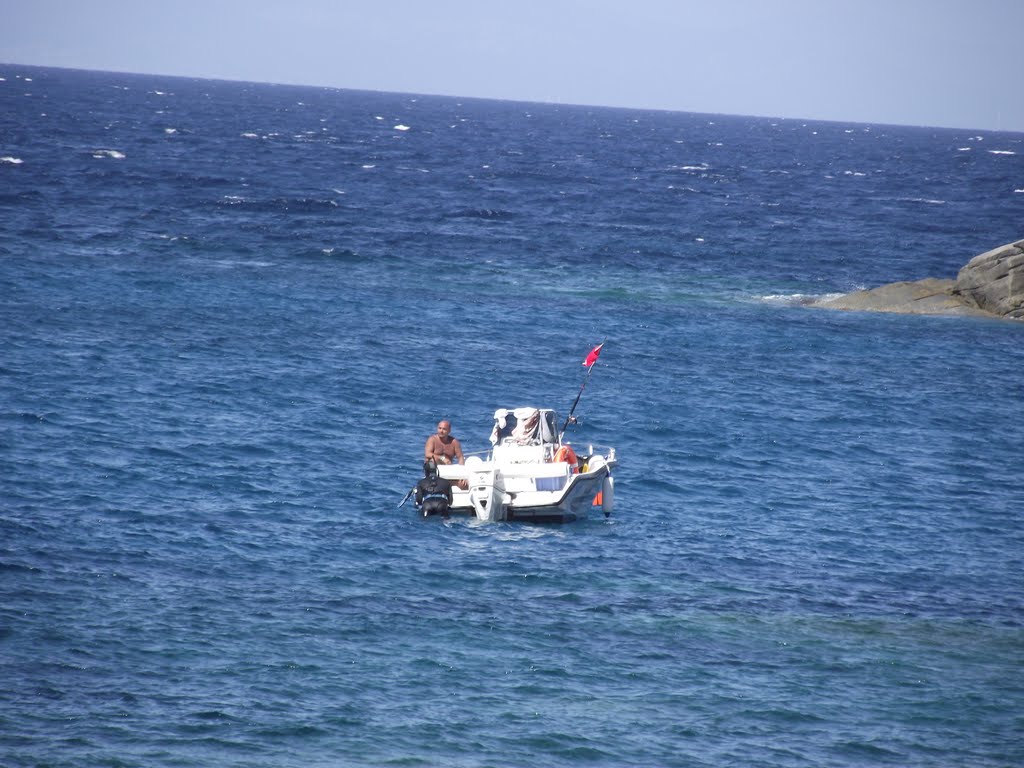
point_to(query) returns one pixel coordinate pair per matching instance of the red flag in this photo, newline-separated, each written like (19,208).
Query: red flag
(594,354)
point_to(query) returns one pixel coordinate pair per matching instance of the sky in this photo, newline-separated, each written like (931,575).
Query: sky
(942,63)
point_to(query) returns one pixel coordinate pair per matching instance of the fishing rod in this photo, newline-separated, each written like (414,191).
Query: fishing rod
(589,363)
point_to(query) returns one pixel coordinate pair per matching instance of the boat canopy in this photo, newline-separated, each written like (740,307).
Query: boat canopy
(525,426)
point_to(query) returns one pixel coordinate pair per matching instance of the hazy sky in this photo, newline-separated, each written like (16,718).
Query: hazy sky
(916,62)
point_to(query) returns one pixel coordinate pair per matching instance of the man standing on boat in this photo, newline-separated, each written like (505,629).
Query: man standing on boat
(442,447)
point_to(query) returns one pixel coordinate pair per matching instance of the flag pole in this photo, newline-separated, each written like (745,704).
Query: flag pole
(589,363)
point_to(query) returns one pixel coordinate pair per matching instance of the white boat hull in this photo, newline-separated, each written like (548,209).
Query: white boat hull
(529,474)
(549,492)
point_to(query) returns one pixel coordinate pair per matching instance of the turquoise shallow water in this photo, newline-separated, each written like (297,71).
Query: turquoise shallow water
(232,313)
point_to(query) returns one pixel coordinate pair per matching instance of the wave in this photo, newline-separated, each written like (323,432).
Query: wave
(481,213)
(11,160)
(929,201)
(1001,152)
(281,204)
(796,299)
(99,154)
(335,254)
(233,263)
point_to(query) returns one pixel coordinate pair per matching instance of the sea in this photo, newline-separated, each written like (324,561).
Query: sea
(231,314)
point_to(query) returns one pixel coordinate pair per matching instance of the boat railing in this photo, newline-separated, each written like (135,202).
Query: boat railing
(550,449)
(592,449)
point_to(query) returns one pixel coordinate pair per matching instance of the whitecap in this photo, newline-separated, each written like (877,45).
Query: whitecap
(250,135)
(232,263)
(927,200)
(1019,190)
(11,160)
(401,127)
(368,166)
(1001,152)
(112,153)
(963,149)
(170,130)
(853,173)
(796,299)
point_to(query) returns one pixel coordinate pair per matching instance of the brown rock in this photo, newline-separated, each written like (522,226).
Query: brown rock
(930,296)
(994,281)
(990,284)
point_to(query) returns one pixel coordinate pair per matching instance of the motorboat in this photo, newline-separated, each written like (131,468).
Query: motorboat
(530,474)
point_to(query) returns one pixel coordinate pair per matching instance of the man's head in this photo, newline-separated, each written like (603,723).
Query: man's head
(444,428)
(429,468)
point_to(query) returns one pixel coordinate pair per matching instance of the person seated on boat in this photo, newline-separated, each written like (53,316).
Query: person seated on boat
(442,447)
(433,492)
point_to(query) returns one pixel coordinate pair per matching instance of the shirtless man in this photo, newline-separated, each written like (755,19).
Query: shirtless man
(442,447)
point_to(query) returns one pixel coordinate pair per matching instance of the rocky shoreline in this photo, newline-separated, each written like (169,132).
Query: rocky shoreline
(989,285)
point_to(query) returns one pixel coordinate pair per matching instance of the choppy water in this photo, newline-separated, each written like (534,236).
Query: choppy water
(230,314)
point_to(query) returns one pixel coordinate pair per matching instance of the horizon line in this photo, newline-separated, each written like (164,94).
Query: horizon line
(514,100)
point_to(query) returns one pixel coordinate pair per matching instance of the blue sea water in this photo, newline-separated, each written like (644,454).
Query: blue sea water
(230,314)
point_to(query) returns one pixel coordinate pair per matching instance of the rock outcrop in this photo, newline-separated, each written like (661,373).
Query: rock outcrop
(994,281)
(990,284)
(930,296)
